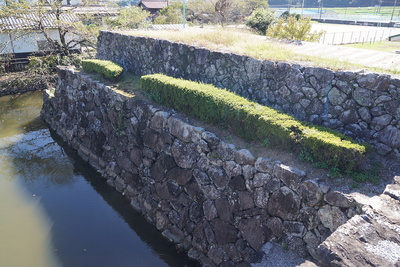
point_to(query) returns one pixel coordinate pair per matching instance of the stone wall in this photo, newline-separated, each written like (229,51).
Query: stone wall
(364,106)
(216,202)
(369,239)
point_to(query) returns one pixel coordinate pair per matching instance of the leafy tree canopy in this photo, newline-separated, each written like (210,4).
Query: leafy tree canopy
(260,19)
(222,11)
(171,14)
(129,18)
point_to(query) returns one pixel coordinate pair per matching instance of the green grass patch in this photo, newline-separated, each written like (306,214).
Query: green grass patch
(254,122)
(107,69)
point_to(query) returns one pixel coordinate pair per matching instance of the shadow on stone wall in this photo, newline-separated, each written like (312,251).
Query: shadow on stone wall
(216,202)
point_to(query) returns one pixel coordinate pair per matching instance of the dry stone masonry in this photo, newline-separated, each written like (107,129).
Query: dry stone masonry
(369,239)
(218,203)
(364,106)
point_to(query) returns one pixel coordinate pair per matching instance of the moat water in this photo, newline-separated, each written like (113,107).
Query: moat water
(55,210)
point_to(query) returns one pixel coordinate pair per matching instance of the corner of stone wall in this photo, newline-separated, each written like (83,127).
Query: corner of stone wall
(371,238)
(218,203)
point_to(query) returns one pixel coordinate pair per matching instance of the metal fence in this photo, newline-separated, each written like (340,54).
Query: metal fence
(333,15)
(353,37)
(327,14)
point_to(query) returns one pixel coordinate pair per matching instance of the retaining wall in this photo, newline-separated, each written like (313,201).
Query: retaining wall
(216,202)
(364,106)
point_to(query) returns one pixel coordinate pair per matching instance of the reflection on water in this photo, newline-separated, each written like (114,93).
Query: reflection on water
(56,211)
(25,230)
(18,111)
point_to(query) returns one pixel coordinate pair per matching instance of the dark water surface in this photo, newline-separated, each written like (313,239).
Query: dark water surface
(57,211)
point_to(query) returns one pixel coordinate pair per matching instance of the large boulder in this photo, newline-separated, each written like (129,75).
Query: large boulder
(370,239)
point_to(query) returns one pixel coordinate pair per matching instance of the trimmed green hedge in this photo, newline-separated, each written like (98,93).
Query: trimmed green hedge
(107,69)
(254,122)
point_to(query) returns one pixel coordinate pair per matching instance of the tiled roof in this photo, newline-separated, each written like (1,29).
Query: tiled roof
(154,4)
(166,27)
(30,21)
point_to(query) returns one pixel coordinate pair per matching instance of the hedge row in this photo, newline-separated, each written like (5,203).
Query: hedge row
(107,69)
(254,122)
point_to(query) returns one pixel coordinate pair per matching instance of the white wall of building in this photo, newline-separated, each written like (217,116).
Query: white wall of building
(72,2)
(25,43)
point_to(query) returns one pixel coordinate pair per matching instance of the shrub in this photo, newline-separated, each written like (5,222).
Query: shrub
(260,19)
(253,121)
(107,69)
(293,28)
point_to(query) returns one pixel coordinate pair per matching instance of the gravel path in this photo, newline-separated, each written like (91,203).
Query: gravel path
(276,256)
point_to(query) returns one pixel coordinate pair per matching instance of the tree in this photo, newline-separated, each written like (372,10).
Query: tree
(293,29)
(222,11)
(236,10)
(43,20)
(255,4)
(129,18)
(260,19)
(201,11)
(330,3)
(171,14)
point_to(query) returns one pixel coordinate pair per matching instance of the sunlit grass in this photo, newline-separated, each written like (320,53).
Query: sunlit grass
(246,43)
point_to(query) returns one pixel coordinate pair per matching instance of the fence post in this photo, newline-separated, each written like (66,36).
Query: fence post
(351,38)
(342,38)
